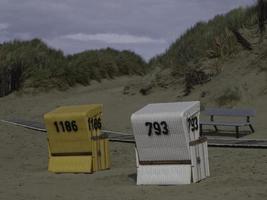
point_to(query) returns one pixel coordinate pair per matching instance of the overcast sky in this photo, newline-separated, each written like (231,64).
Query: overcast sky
(147,27)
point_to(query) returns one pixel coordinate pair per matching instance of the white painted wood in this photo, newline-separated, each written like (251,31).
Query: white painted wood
(206,158)
(173,146)
(163,174)
(194,164)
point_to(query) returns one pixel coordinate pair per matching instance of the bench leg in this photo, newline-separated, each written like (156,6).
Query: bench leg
(251,128)
(216,129)
(237,131)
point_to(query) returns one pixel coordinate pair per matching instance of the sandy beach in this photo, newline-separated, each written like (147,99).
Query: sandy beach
(235,173)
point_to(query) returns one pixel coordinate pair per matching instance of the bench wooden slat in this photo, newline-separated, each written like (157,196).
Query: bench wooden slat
(229,112)
(225,123)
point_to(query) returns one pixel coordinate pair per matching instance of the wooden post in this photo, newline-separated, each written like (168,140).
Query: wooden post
(212,119)
(237,131)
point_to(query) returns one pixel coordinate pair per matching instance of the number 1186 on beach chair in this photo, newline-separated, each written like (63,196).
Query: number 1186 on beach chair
(75,142)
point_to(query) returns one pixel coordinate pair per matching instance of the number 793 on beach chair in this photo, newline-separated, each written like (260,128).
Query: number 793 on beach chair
(169,149)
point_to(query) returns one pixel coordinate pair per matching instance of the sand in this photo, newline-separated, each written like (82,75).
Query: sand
(235,173)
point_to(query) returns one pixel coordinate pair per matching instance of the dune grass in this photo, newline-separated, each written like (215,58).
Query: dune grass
(32,64)
(211,39)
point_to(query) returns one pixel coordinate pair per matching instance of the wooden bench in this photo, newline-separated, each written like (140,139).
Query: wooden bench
(212,112)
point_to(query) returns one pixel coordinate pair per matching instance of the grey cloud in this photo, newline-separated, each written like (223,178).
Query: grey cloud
(113,38)
(3,26)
